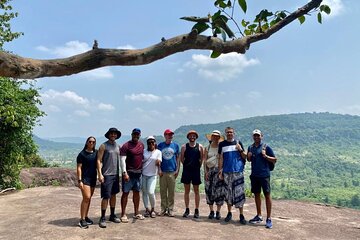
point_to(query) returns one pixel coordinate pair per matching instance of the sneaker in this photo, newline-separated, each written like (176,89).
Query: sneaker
(102,222)
(268,223)
(162,212)
(147,213)
(89,221)
(186,213)
(114,219)
(217,215)
(228,217)
(83,224)
(256,219)
(211,215)
(242,219)
(196,214)
(170,213)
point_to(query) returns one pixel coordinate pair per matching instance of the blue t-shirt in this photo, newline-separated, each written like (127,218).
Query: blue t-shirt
(259,165)
(232,160)
(169,154)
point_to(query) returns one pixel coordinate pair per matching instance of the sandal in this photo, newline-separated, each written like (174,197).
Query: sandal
(124,219)
(153,214)
(139,217)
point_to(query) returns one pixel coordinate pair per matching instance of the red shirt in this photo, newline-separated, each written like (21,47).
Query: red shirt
(134,155)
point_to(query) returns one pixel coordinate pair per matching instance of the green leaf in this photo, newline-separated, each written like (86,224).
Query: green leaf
(248,32)
(319,17)
(244,23)
(200,27)
(301,19)
(243,5)
(327,9)
(215,54)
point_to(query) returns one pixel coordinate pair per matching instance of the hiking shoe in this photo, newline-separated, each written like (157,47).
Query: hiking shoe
(89,221)
(228,217)
(211,215)
(186,213)
(147,213)
(196,214)
(217,215)
(162,213)
(114,218)
(170,213)
(256,219)
(242,219)
(102,222)
(268,223)
(83,224)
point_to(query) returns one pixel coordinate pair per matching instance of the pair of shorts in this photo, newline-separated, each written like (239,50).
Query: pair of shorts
(110,186)
(258,183)
(89,181)
(133,184)
(191,176)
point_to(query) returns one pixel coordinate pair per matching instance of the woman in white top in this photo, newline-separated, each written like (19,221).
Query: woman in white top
(151,163)
(214,188)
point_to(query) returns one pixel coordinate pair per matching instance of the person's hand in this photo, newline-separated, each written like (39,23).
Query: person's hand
(206,176)
(239,148)
(101,178)
(161,173)
(221,176)
(126,177)
(81,185)
(263,152)
(176,174)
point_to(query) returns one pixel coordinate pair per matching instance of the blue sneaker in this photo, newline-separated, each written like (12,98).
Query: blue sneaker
(256,219)
(268,223)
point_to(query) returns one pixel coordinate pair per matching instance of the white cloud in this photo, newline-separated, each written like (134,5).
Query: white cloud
(54,108)
(82,113)
(105,107)
(67,96)
(337,7)
(168,98)
(143,97)
(75,47)
(351,109)
(183,109)
(218,94)
(127,46)
(224,68)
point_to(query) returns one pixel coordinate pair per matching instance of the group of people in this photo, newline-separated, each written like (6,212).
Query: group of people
(137,167)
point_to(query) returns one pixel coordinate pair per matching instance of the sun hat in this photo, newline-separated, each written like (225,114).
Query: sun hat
(216,133)
(168,131)
(256,131)
(192,132)
(118,133)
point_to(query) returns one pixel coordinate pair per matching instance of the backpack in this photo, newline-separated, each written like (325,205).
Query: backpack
(271,164)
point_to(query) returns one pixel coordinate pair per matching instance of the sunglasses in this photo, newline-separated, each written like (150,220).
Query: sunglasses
(151,142)
(91,141)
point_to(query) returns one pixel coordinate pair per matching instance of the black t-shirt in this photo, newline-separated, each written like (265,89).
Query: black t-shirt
(88,161)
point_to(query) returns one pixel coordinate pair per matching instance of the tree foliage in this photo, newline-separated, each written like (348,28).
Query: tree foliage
(223,24)
(6,15)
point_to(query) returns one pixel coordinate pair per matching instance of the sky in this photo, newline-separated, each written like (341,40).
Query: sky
(302,68)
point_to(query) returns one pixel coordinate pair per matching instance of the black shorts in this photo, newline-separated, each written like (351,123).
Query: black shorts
(191,176)
(90,181)
(110,186)
(258,183)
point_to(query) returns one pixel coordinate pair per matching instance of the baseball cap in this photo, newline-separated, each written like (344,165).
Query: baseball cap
(256,131)
(168,131)
(136,130)
(150,138)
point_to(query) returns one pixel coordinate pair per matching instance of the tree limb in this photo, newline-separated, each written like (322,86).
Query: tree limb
(26,68)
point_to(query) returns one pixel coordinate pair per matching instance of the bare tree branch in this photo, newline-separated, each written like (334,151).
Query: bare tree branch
(19,67)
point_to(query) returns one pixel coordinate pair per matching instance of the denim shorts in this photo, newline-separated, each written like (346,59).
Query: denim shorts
(110,186)
(134,183)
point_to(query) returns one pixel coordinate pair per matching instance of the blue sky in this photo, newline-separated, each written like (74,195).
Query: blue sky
(313,67)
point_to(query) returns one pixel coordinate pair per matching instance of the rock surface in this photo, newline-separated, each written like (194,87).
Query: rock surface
(53,213)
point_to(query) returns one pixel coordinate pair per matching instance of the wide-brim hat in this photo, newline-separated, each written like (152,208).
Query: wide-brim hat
(118,133)
(192,132)
(216,133)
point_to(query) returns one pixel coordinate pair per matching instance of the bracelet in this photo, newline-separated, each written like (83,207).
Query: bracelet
(79,181)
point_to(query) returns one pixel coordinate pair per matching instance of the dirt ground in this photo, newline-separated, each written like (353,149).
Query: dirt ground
(53,213)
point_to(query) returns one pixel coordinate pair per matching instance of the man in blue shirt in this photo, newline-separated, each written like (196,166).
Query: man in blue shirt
(261,156)
(231,170)
(169,170)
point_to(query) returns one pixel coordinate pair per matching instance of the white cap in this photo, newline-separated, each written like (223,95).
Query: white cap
(150,138)
(216,132)
(257,131)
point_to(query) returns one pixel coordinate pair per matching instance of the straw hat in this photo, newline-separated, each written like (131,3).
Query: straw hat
(216,133)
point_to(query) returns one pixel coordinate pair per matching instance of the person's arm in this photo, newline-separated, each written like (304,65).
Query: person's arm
(79,175)
(249,154)
(177,164)
(201,148)
(268,154)
(241,150)
(123,168)
(206,170)
(221,176)
(100,155)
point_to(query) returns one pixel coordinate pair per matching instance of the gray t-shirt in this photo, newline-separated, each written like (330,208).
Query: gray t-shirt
(111,159)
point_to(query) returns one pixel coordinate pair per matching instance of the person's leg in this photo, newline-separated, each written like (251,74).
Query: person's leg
(92,189)
(151,191)
(85,203)
(171,181)
(186,195)
(268,204)
(136,201)
(163,193)
(258,203)
(124,200)
(197,196)
(144,187)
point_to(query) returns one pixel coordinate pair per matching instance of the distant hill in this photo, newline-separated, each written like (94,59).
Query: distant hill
(319,153)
